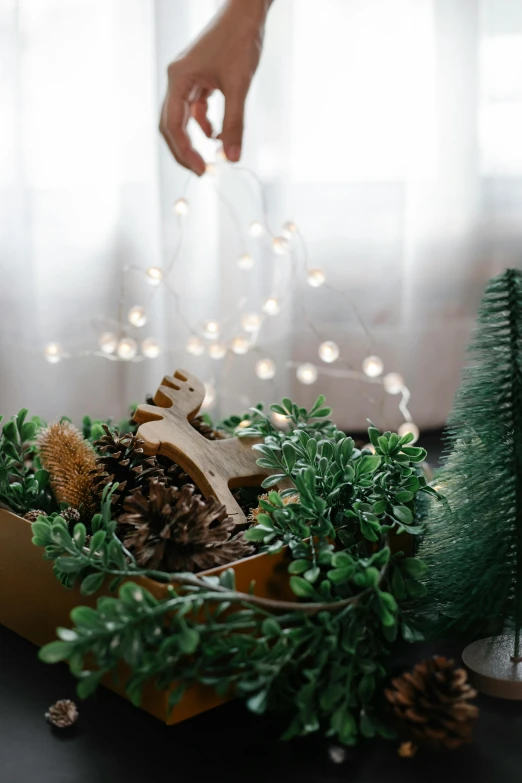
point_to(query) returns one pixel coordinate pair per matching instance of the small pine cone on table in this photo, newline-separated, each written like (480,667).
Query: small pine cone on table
(178,530)
(62,714)
(432,704)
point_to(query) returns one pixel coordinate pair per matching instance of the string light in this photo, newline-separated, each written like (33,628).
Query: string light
(315,277)
(195,346)
(150,348)
(372,366)
(127,348)
(240,345)
(329,351)
(138,316)
(217,350)
(53,352)
(244,424)
(280,246)
(408,427)
(211,330)
(181,206)
(393,383)
(271,306)
(306,373)
(210,396)
(245,261)
(265,369)
(256,229)
(154,275)
(250,322)
(289,229)
(278,419)
(108,342)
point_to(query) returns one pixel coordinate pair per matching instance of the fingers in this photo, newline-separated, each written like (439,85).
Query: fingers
(232,133)
(199,111)
(173,126)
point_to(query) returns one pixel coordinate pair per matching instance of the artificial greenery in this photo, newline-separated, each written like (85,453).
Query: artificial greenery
(24,485)
(322,657)
(474,541)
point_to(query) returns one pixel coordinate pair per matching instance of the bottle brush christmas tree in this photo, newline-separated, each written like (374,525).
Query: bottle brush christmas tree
(474,543)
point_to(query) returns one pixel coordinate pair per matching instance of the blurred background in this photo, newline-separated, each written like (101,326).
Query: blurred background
(389,131)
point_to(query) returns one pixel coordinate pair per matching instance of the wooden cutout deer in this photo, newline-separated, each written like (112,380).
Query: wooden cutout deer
(214,466)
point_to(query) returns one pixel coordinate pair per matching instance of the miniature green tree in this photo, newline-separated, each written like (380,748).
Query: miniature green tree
(474,542)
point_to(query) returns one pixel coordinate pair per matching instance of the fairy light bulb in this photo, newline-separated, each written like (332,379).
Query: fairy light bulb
(315,278)
(217,350)
(250,322)
(53,352)
(408,427)
(245,261)
(211,330)
(240,345)
(220,155)
(181,206)
(154,275)
(150,348)
(393,383)
(127,348)
(329,351)
(271,306)
(278,419)
(289,229)
(256,229)
(306,373)
(210,396)
(372,366)
(108,342)
(138,316)
(211,169)
(244,424)
(280,246)
(195,346)
(265,369)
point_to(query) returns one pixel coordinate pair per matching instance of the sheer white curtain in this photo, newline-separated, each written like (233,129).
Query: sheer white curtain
(387,129)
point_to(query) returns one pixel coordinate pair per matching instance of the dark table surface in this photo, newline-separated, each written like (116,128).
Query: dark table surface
(114,741)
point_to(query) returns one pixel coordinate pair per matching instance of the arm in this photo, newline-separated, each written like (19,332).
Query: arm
(224,57)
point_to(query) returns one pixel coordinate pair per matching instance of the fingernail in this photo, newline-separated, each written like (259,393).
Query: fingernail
(233,154)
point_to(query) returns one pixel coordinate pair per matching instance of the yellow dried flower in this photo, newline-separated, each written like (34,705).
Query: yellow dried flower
(254,512)
(70,461)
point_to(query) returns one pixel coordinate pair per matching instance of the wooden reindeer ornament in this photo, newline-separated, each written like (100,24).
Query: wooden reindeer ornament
(214,466)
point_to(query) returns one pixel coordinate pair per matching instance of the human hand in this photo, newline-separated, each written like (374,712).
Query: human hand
(225,57)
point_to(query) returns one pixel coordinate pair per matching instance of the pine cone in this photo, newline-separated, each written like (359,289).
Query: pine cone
(33,515)
(178,530)
(62,714)
(199,424)
(71,516)
(71,463)
(432,704)
(122,459)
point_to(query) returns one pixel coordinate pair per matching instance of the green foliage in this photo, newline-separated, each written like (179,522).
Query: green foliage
(322,658)
(92,429)
(24,485)
(474,541)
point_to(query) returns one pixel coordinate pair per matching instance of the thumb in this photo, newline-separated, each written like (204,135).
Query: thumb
(232,133)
